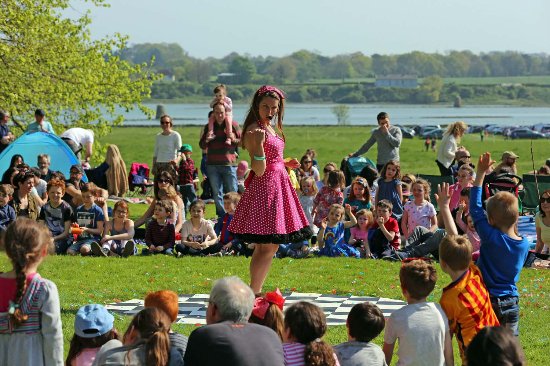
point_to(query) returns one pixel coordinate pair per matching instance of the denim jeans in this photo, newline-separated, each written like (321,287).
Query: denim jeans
(507,311)
(223,179)
(188,196)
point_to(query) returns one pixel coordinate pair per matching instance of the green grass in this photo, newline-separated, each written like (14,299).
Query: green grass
(106,280)
(332,143)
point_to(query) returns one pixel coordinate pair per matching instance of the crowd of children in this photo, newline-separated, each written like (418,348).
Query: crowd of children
(391,218)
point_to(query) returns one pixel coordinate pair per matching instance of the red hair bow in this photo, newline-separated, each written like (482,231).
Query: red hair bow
(261,304)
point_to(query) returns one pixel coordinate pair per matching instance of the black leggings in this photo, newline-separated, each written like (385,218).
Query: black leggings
(445,172)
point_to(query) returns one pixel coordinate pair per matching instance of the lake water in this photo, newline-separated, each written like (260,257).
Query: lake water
(363,114)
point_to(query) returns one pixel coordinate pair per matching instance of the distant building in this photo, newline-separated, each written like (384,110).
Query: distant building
(226,77)
(396,81)
(167,75)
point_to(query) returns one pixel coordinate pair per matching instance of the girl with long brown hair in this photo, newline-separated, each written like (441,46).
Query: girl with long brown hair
(269,212)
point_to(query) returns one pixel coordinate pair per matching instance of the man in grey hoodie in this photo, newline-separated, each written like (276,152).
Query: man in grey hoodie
(388,139)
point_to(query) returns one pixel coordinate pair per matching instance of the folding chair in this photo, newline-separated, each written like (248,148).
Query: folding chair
(434,180)
(530,195)
(138,180)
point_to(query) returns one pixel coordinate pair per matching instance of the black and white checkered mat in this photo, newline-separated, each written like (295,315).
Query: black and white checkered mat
(192,308)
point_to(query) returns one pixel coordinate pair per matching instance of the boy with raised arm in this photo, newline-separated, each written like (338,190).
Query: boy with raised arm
(465,300)
(502,251)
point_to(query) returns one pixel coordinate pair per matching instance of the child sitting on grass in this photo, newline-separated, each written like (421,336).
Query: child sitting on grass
(502,251)
(305,325)
(7,213)
(469,229)
(421,327)
(465,300)
(359,233)
(119,232)
(57,215)
(385,235)
(160,235)
(93,327)
(230,245)
(365,322)
(90,218)
(268,311)
(197,234)
(331,234)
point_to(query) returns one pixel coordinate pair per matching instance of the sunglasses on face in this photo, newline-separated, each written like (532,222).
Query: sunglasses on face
(163,181)
(545,200)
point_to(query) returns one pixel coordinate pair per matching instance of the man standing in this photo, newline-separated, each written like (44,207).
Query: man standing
(79,139)
(228,338)
(40,124)
(388,139)
(221,159)
(166,156)
(6,137)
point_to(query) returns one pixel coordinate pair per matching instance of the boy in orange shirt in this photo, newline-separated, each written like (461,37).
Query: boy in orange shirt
(465,300)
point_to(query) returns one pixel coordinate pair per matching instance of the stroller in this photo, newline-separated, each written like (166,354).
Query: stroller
(501,182)
(138,179)
(354,166)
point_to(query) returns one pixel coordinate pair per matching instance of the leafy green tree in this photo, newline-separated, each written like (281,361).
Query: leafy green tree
(284,69)
(341,111)
(243,69)
(48,61)
(430,90)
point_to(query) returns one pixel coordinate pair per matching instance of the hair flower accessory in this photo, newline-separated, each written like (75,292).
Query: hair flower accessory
(270,89)
(261,304)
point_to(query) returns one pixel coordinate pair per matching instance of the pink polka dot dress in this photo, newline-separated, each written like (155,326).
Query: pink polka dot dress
(269,210)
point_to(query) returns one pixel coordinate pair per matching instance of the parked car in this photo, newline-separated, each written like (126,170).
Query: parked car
(437,133)
(426,128)
(475,129)
(526,133)
(407,132)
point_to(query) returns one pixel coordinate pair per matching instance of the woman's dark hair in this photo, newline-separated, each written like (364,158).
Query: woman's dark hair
(307,324)
(153,326)
(24,242)
(14,158)
(162,175)
(78,343)
(253,114)
(495,346)
(541,211)
(22,177)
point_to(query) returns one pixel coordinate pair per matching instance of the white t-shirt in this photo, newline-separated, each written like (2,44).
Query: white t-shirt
(420,329)
(79,135)
(167,146)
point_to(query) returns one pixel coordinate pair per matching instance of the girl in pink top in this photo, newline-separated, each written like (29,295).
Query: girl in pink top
(305,325)
(465,178)
(419,211)
(359,233)
(469,229)
(328,195)
(220,96)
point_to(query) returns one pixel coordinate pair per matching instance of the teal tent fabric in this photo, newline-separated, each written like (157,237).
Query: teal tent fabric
(32,144)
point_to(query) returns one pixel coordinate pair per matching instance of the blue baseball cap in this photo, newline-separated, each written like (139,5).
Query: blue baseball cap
(92,320)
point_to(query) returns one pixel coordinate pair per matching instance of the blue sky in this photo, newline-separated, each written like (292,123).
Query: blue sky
(207,28)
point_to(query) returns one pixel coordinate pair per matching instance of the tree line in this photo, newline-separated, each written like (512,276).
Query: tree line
(305,66)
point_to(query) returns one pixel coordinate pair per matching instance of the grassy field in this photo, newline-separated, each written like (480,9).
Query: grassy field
(106,280)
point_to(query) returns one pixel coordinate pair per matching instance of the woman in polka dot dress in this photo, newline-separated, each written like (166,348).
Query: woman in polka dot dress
(269,212)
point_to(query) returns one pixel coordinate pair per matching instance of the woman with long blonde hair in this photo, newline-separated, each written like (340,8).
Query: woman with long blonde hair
(448,147)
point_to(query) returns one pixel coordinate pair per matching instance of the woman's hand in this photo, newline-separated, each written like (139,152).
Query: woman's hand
(258,136)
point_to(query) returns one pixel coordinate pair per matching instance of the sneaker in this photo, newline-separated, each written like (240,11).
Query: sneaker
(396,256)
(98,251)
(129,248)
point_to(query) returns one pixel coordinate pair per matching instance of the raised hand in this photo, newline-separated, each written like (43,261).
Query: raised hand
(484,162)
(258,135)
(443,196)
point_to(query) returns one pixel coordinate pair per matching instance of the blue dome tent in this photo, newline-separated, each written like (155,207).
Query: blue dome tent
(31,144)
